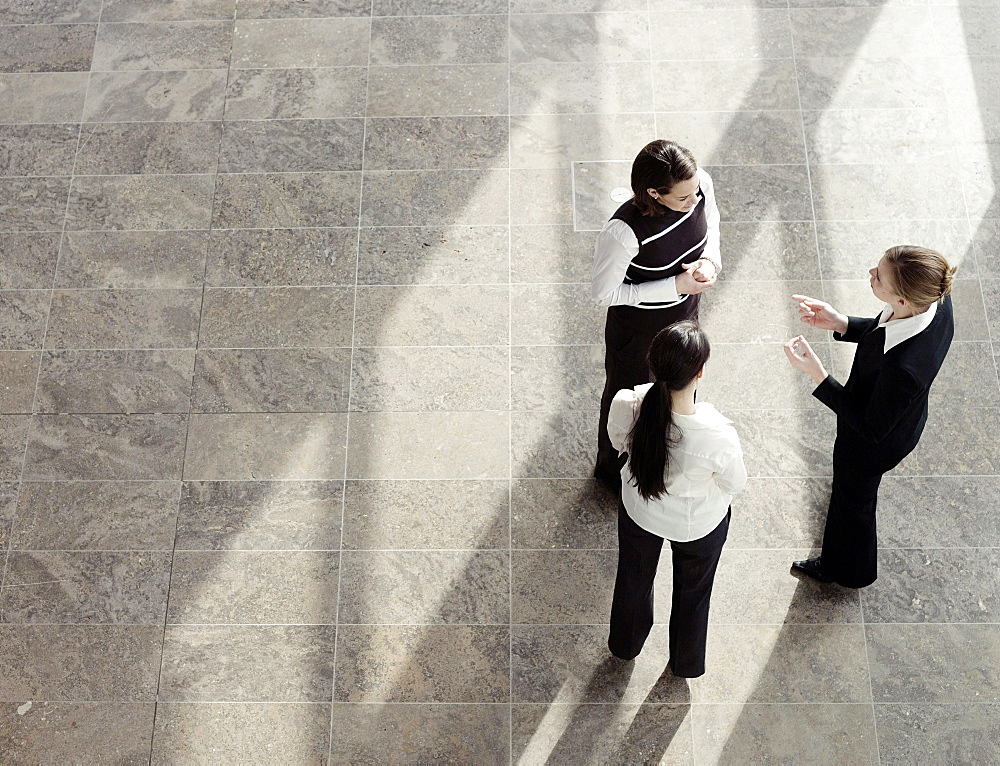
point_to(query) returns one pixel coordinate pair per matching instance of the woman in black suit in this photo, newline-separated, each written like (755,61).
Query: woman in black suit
(882,409)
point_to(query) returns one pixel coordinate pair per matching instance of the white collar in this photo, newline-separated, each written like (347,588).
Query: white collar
(899,330)
(705,415)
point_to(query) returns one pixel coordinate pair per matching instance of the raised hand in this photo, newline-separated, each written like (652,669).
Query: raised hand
(802,357)
(817,313)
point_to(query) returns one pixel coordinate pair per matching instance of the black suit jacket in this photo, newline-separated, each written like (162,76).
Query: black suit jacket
(882,408)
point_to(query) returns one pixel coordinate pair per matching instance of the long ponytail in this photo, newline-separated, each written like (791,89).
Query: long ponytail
(675,357)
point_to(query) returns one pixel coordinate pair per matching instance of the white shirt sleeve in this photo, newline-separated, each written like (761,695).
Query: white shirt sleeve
(621,416)
(732,476)
(712,245)
(614,250)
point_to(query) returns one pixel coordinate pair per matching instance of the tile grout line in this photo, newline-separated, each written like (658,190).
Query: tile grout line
(510,406)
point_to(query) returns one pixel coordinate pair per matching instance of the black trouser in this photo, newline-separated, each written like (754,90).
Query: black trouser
(694,565)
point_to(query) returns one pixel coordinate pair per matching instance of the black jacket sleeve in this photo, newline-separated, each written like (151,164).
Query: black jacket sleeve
(856,327)
(894,392)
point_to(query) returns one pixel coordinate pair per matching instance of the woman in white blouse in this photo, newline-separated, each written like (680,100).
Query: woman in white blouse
(684,466)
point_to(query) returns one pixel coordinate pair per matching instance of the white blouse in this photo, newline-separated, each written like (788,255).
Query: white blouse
(705,470)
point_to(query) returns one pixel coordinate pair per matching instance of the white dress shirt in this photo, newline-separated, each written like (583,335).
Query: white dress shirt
(705,470)
(617,245)
(899,330)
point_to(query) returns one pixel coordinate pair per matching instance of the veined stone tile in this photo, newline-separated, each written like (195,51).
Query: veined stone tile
(836,190)
(8,507)
(575,87)
(271,94)
(96,515)
(439,40)
(769,318)
(562,513)
(53,97)
(556,587)
(413,90)
(862,32)
(593,184)
(261,258)
(247,663)
(112,663)
(587,37)
(950,733)
(138,447)
(424,143)
(28,259)
(254,9)
(779,513)
(300,43)
(257,146)
(878,135)
(48,48)
(426,514)
(132,259)
(962,31)
(543,196)
(33,204)
(163,46)
(87,731)
(769,250)
(19,373)
(747,375)
(269,200)
(178,10)
(435,197)
(554,141)
(786,443)
(49,11)
(556,377)
(91,588)
(745,137)
(938,511)
(550,254)
(553,445)
(956,441)
(437,7)
(575,6)
(260,515)
(299,446)
(13,435)
(37,150)
(115,381)
(556,315)
(749,83)
(870,83)
(148,147)
(140,202)
(698,35)
(178,96)
(768,193)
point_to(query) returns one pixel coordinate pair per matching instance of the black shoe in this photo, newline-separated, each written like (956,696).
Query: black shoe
(812,568)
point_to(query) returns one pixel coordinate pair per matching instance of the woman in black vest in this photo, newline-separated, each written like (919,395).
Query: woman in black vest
(882,409)
(652,260)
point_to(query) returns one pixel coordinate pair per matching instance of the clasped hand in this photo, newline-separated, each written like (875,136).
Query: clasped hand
(697,277)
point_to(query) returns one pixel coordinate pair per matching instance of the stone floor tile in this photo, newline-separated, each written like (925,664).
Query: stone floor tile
(593,184)
(272,380)
(878,135)
(779,513)
(753,83)
(562,587)
(562,513)
(115,381)
(556,377)
(37,150)
(443,89)
(973,79)
(437,7)
(864,32)
(934,585)
(869,83)
(228,733)
(556,315)
(818,733)
(939,511)
(991,295)
(553,445)
(136,447)
(438,733)
(50,11)
(86,588)
(8,508)
(48,97)
(425,587)
(769,250)
(738,138)
(257,146)
(99,663)
(299,43)
(178,10)
(551,254)
(426,663)
(276,317)
(836,189)
(426,514)
(575,87)
(979,187)
(277,257)
(253,9)
(961,33)
(541,196)
(756,193)
(424,143)
(280,200)
(575,6)
(163,46)
(435,197)
(437,315)
(13,435)
(96,516)
(747,375)
(934,663)
(140,202)
(260,515)
(148,147)
(132,259)
(578,37)
(953,733)
(571,664)
(956,441)
(67,731)
(429,445)
(122,319)
(33,204)
(28,259)
(717,34)
(299,446)
(784,663)
(553,141)
(258,587)
(786,443)
(769,317)
(48,48)
(433,255)
(271,94)
(247,663)
(19,371)
(466,378)
(987,257)
(432,40)
(566,733)
(168,96)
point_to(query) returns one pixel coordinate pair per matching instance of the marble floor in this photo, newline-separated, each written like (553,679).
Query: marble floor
(299,377)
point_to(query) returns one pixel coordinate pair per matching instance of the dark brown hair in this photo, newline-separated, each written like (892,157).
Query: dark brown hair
(659,165)
(675,356)
(919,275)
